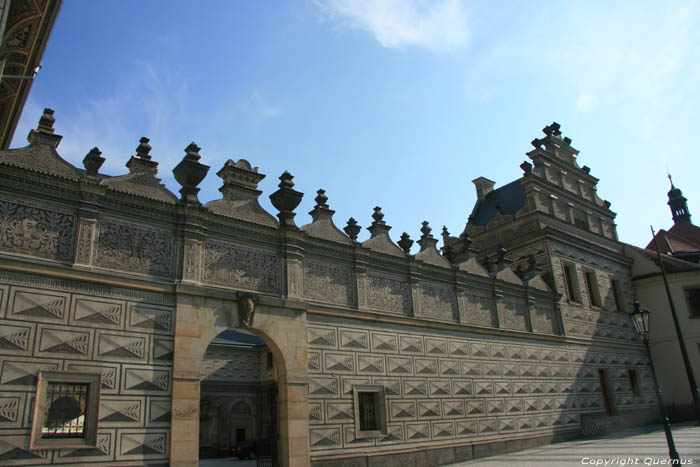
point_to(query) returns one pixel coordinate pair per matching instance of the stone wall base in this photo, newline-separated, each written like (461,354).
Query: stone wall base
(601,424)
(448,455)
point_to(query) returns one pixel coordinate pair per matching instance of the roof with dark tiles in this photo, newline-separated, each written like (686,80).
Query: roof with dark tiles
(682,237)
(508,199)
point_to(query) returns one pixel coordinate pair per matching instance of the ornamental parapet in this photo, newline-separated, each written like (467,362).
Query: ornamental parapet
(132,226)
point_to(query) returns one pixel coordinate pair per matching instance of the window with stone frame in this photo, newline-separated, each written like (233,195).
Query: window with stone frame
(581,220)
(370,412)
(692,297)
(607,391)
(634,382)
(65,410)
(592,287)
(617,294)
(572,290)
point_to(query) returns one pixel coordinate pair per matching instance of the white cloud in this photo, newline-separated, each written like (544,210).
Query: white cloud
(434,24)
(152,104)
(257,108)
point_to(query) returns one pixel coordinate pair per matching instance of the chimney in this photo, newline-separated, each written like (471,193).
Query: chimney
(484,186)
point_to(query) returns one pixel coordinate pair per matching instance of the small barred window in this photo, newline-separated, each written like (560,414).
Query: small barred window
(65,410)
(65,417)
(370,412)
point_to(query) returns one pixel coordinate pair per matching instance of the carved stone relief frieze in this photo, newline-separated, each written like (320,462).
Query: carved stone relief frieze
(513,313)
(84,248)
(329,282)
(361,282)
(243,268)
(191,261)
(543,320)
(295,278)
(32,229)
(437,301)
(133,248)
(477,309)
(386,293)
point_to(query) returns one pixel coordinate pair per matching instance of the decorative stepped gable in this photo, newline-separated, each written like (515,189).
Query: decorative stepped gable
(428,252)
(41,155)
(141,179)
(322,225)
(240,194)
(554,187)
(379,239)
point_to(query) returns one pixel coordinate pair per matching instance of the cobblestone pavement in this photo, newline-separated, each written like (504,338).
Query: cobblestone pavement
(639,446)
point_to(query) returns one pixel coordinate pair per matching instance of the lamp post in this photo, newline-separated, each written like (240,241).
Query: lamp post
(640,319)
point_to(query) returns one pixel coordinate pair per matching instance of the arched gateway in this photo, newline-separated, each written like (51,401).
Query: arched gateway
(200,317)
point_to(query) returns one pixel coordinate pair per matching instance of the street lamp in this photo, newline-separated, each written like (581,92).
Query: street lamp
(640,319)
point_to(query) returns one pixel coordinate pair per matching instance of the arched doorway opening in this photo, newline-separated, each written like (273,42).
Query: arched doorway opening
(201,315)
(238,399)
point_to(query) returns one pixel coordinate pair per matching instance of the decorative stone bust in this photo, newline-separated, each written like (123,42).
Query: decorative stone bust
(246,309)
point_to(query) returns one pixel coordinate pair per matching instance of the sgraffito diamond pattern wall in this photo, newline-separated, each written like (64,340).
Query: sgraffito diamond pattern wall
(124,335)
(452,386)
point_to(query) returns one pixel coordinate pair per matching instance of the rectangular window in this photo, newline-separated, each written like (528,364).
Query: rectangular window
(617,294)
(634,382)
(65,410)
(571,284)
(370,413)
(592,287)
(580,219)
(692,296)
(606,393)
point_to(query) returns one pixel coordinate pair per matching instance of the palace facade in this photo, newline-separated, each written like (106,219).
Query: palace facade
(115,292)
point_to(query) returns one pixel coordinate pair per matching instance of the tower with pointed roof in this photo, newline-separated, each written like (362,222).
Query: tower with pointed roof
(678,204)
(682,240)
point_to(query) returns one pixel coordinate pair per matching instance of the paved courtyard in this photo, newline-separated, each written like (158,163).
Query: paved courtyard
(227,461)
(638,446)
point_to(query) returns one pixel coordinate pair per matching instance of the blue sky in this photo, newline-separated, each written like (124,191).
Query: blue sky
(396,103)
